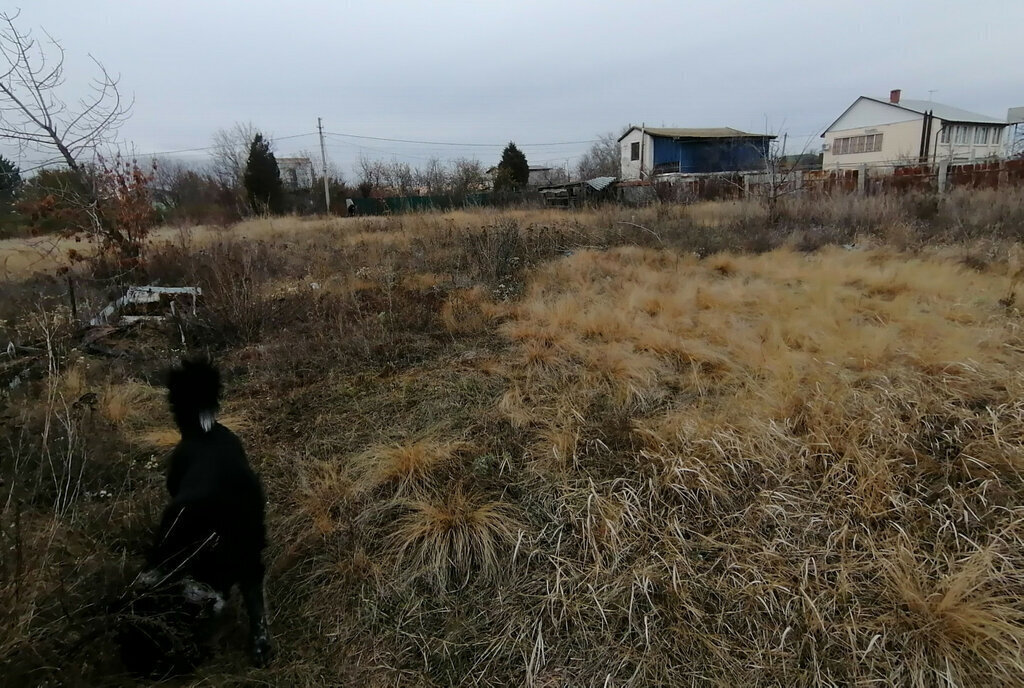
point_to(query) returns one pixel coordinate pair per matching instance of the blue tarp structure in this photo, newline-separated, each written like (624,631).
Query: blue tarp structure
(703,155)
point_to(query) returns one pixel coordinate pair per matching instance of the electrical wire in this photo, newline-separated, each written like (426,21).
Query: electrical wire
(340,138)
(461,145)
(206,148)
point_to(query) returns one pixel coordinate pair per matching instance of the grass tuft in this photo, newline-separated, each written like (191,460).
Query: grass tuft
(446,540)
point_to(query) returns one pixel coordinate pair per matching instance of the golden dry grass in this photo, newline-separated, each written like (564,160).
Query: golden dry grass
(456,536)
(794,396)
(635,467)
(406,464)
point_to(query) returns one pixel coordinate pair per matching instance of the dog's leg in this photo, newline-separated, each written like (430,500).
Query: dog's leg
(251,586)
(204,595)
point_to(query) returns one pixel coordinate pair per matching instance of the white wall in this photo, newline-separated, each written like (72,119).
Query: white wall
(901,138)
(631,168)
(901,143)
(871,113)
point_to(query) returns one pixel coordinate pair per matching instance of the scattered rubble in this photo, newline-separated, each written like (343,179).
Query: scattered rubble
(144,296)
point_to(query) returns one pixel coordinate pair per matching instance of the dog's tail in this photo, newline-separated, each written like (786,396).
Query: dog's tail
(194,394)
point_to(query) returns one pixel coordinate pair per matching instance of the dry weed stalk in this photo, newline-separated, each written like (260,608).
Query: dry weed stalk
(636,467)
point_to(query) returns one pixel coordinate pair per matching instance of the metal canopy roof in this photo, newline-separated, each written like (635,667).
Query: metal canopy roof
(699,133)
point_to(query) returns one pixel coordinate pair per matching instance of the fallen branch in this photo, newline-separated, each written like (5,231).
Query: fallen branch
(633,224)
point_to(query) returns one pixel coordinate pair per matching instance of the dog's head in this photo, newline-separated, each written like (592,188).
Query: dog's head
(193,390)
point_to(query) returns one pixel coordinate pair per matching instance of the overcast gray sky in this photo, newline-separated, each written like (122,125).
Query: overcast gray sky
(532,72)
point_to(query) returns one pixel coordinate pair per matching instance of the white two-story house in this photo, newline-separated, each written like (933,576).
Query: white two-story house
(878,132)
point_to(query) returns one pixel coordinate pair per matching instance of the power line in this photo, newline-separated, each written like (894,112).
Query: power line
(340,135)
(206,148)
(48,163)
(407,156)
(170,152)
(359,148)
(461,145)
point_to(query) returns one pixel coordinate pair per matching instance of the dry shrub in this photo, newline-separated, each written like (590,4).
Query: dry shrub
(497,252)
(236,306)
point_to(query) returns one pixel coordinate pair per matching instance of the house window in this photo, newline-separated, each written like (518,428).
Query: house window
(981,136)
(634,151)
(996,134)
(869,143)
(944,138)
(962,133)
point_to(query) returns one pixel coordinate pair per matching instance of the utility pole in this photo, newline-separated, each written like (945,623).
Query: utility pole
(323,159)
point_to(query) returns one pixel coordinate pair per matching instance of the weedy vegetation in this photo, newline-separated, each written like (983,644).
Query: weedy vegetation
(652,446)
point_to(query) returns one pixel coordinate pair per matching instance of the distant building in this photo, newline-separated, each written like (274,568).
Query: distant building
(573,194)
(539,176)
(542,176)
(296,173)
(650,151)
(879,132)
(800,162)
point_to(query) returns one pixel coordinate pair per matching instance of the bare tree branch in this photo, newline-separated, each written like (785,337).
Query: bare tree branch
(33,110)
(602,159)
(231,153)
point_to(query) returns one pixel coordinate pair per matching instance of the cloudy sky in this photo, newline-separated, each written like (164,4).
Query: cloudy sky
(551,73)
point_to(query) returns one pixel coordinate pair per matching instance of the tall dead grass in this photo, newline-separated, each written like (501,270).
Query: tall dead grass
(559,449)
(797,451)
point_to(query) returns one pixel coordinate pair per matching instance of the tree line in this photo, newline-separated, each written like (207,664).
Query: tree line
(114,198)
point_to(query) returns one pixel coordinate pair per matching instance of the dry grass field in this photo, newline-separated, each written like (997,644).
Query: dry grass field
(661,446)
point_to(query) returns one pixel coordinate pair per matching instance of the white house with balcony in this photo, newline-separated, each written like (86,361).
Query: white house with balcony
(877,132)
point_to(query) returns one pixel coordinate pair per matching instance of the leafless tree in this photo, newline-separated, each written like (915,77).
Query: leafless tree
(602,159)
(456,178)
(372,174)
(433,176)
(231,153)
(33,108)
(400,177)
(229,157)
(782,177)
(467,176)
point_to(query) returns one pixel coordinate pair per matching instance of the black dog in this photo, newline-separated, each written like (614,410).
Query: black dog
(213,530)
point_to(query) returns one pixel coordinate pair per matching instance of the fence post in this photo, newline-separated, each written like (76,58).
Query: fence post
(73,299)
(943,174)
(746,186)
(1003,176)
(862,179)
